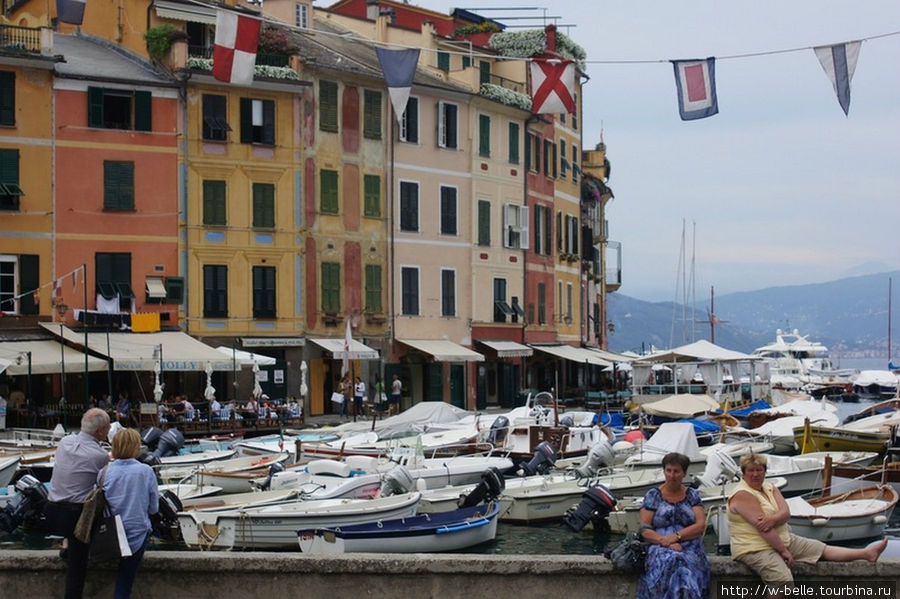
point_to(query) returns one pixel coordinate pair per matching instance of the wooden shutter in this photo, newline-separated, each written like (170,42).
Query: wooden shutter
(484,135)
(214,202)
(263,205)
(514,143)
(328,106)
(328,182)
(95,106)
(372,114)
(372,195)
(143,111)
(7,98)
(29,280)
(484,222)
(246,121)
(373,288)
(268,134)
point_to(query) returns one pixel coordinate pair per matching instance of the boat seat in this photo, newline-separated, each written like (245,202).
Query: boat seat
(362,463)
(332,467)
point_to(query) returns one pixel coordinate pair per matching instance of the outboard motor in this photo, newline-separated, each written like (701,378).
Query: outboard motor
(720,469)
(595,505)
(150,437)
(26,506)
(491,485)
(274,469)
(542,461)
(600,454)
(397,481)
(145,457)
(169,443)
(567,421)
(165,521)
(499,430)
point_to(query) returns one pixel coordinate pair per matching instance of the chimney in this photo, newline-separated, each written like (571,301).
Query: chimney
(371,9)
(550,30)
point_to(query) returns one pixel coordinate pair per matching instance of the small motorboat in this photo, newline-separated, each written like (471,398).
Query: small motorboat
(858,514)
(427,533)
(8,468)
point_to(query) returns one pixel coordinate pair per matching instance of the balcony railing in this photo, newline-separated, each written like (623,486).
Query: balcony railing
(25,39)
(270,60)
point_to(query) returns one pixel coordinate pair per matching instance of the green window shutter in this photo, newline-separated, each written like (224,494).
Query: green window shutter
(443,61)
(331,287)
(118,185)
(29,280)
(328,182)
(372,194)
(214,203)
(9,166)
(246,121)
(268,122)
(143,111)
(174,290)
(484,135)
(484,222)
(7,98)
(328,106)
(484,72)
(466,61)
(514,143)
(264,292)
(95,106)
(548,233)
(372,114)
(373,288)
(263,205)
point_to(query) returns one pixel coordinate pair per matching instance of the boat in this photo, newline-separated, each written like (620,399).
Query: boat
(809,438)
(795,361)
(849,516)
(777,423)
(195,458)
(186,491)
(276,526)
(427,533)
(845,477)
(8,467)
(876,384)
(217,472)
(230,501)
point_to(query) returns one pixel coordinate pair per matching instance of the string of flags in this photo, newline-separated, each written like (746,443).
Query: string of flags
(57,285)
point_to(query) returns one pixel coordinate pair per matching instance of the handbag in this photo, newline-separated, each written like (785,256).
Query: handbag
(382,397)
(109,540)
(91,511)
(628,555)
(337,397)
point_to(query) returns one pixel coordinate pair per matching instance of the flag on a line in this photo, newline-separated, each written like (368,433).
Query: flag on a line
(552,86)
(234,54)
(695,81)
(839,62)
(399,68)
(70,11)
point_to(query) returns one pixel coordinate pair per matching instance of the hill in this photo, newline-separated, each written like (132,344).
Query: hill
(848,315)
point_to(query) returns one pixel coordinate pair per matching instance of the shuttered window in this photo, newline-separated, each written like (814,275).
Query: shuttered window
(328,199)
(215,118)
(484,222)
(120,109)
(372,195)
(484,135)
(409,291)
(443,61)
(371,114)
(448,210)
(215,291)
(514,143)
(257,121)
(263,205)
(113,272)
(264,292)
(409,206)
(373,289)
(9,180)
(409,124)
(118,185)
(484,72)
(29,280)
(7,98)
(214,203)
(448,292)
(328,106)
(331,287)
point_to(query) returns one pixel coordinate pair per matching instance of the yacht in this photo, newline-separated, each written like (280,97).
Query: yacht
(795,362)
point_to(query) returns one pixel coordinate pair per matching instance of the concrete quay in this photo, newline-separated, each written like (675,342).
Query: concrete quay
(30,574)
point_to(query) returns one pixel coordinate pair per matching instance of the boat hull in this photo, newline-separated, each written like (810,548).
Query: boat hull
(859,514)
(822,438)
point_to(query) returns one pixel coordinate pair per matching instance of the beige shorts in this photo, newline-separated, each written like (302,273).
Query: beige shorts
(771,566)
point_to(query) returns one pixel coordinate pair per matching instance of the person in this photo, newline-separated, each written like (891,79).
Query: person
(359,392)
(133,494)
(123,409)
(2,413)
(379,397)
(761,538)
(673,522)
(79,459)
(345,388)
(215,409)
(396,392)
(251,411)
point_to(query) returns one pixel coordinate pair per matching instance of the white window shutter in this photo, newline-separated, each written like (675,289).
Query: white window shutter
(523,227)
(442,125)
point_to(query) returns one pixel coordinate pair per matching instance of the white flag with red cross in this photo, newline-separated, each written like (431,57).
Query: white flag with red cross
(552,86)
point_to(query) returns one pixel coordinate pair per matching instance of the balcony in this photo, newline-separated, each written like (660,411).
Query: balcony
(21,39)
(613,269)
(269,60)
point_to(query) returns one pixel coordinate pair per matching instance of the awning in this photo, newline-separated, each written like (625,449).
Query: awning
(179,11)
(156,288)
(46,358)
(358,350)
(141,351)
(508,349)
(444,351)
(246,358)
(575,354)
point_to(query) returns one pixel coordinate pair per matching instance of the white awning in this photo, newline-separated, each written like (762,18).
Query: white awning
(141,351)
(155,287)
(197,13)
(508,349)
(444,351)
(575,354)
(246,358)
(46,358)
(358,351)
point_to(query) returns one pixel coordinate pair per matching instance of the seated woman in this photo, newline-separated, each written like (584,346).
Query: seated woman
(673,522)
(761,538)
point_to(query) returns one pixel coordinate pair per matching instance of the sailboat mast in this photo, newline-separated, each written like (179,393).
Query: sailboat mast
(712,314)
(890,285)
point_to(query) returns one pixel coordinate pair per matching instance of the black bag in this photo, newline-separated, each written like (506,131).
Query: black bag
(109,540)
(628,555)
(91,511)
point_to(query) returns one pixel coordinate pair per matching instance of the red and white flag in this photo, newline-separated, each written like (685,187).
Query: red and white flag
(695,82)
(552,86)
(234,55)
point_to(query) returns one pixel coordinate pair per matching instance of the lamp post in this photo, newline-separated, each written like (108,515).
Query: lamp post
(62,353)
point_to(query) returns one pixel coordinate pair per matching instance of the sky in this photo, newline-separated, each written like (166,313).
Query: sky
(779,188)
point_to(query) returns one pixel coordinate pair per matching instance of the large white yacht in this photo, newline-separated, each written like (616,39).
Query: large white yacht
(794,361)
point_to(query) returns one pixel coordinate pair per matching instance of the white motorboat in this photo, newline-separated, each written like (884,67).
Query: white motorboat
(791,357)
(277,443)
(777,423)
(8,468)
(204,470)
(857,514)
(196,458)
(276,526)
(233,501)
(186,491)
(876,384)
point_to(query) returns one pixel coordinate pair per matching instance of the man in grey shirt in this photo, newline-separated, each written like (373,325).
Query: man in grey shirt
(79,459)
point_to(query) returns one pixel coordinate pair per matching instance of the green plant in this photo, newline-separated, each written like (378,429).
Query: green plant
(275,41)
(159,40)
(486,27)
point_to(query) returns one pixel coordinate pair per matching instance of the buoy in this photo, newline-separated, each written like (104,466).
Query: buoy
(634,436)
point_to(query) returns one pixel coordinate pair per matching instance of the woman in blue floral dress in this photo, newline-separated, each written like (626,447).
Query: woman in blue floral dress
(673,522)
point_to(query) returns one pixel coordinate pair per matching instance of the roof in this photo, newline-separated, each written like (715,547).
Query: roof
(699,350)
(91,58)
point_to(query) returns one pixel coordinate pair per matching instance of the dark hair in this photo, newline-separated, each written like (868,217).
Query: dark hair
(677,459)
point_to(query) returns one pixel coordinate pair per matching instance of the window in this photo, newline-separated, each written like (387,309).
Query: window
(533,153)
(174,290)
(301,16)
(563,163)
(263,292)
(501,308)
(575,114)
(448,210)
(257,121)
(466,61)
(443,60)
(514,143)
(373,289)
(215,291)
(331,287)
(518,312)
(484,72)
(559,231)
(409,291)
(542,232)
(515,226)
(447,125)
(409,124)
(7,98)
(113,271)
(549,158)
(118,185)
(448,292)
(10,192)
(214,203)
(484,135)
(542,303)
(372,195)
(409,206)
(484,222)
(328,191)
(18,276)
(572,234)
(559,299)
(263,205)
(215,118)
(568,303)
(328,106)
(575,165)
(371,114)
(119,109)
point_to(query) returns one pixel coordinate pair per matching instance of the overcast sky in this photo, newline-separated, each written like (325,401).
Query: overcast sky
(783,188)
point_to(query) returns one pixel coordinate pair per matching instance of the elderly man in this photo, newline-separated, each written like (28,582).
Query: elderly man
(79,459)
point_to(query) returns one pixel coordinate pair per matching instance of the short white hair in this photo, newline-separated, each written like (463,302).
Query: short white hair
(94,420)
